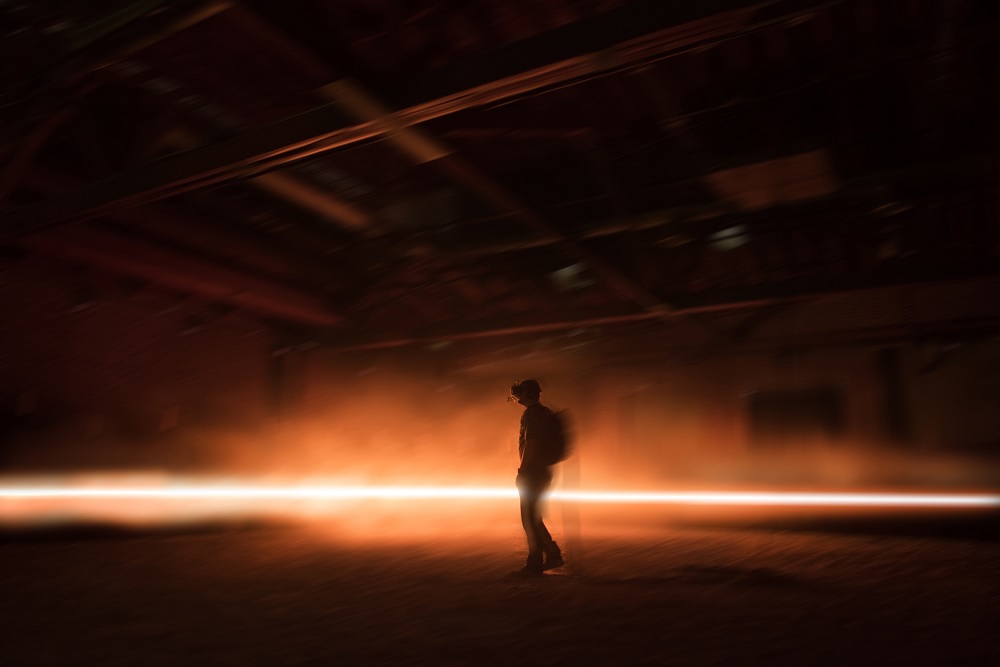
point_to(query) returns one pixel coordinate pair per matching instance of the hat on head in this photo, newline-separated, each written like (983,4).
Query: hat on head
(525,388)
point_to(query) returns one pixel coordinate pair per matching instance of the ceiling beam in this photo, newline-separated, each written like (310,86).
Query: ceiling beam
(123,256)
(282,184)
(239,245)
(482,330)
(761,297)
(862,195)
(638,32)
(314,199)
(420,147)
(81,38)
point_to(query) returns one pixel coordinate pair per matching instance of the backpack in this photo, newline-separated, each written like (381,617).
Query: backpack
(555,441)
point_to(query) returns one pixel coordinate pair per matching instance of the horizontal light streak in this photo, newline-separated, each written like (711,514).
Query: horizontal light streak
(787,498)
(329,492)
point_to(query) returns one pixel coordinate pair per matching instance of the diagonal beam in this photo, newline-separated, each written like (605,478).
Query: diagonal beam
(259,254)
(80,39)
(767,297)
(857,336)
(314,199)
(859,194)
(495,193)
(638,32)
(284,185)
(422,148)
(123,256)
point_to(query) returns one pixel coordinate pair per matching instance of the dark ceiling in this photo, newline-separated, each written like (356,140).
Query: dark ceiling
(369,173)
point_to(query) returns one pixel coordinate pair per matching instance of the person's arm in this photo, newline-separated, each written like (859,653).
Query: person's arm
(532,429)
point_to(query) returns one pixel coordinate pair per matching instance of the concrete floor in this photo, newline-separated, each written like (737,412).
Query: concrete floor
(306,594)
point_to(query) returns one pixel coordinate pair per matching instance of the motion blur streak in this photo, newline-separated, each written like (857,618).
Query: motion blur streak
(780,498)
(324,492)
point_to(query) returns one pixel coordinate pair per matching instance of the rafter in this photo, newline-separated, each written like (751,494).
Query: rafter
(636,33)
(282,184)
(723,301)
(420,147)
(265,256)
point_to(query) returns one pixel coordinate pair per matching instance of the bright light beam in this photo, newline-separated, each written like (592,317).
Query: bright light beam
(326,492)
(784,498)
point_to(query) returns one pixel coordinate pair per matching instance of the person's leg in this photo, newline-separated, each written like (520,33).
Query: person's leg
(528,488)
(544,538)
(553,555)
(548,544)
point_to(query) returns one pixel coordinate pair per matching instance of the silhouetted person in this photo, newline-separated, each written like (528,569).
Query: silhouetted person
(535,475)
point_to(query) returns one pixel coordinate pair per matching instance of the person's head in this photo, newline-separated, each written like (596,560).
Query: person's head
(525,392)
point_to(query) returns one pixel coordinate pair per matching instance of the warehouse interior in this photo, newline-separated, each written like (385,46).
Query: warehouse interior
(744,245)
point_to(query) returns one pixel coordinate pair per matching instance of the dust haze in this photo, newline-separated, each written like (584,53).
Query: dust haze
(393,429)
(386,428)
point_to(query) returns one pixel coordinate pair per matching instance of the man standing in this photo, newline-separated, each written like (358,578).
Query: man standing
(535,475)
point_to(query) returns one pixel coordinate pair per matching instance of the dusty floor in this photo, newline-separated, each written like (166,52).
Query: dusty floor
(681,595)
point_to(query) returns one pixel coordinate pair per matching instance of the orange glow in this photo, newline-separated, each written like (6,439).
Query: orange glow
(376,511)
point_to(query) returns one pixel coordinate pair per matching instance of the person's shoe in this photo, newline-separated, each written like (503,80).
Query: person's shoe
(552,562)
